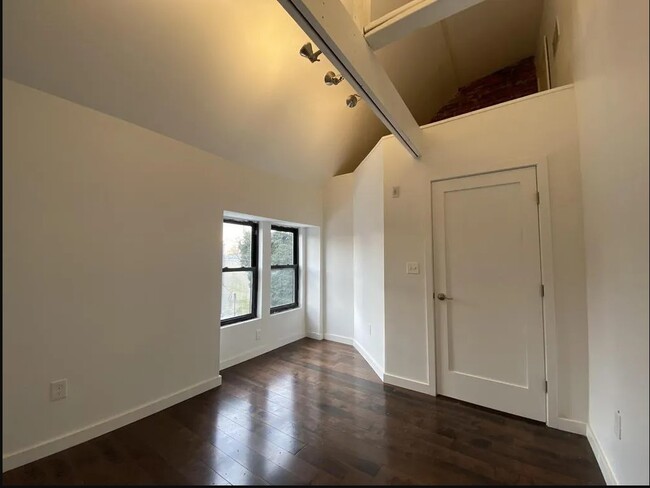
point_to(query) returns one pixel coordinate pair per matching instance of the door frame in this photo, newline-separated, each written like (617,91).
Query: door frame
(548,301)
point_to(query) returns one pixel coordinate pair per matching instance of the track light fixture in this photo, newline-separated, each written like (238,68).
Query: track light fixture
(307,51)
(352,100)
(332,79)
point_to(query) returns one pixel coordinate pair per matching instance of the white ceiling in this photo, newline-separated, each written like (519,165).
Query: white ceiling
(225,75)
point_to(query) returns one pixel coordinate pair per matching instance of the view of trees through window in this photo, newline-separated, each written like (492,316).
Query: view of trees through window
(283,268)
(240,268)
(237,286)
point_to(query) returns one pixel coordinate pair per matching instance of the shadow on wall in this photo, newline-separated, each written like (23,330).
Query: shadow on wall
(514,81)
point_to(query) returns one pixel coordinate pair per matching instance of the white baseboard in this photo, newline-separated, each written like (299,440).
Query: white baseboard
(407,383)
(339,338)
(605,467)
(258,351)
(65,441)
(314,335)
(570,425)
(370,360)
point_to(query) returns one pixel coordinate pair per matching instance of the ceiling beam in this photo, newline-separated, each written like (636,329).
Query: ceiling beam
(329,25)
(410,17)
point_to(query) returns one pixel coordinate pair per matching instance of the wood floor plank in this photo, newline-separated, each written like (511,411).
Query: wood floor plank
(196,416)
(314,412)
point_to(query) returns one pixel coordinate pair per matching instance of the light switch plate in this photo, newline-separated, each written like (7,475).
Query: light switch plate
(412,268)
(395,192)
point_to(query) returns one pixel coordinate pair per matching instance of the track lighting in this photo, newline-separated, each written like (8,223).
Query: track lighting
(307,51)
(352,100)
(332,79)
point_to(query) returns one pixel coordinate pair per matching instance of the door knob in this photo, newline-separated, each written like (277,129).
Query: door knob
(443,297)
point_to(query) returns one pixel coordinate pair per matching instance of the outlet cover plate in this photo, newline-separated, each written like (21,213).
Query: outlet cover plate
(58,390)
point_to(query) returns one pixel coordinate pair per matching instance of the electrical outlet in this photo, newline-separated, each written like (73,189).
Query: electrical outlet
(617,425)
(58,390)
(258,334)
(412,268)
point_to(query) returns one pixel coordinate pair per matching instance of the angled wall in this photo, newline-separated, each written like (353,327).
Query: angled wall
(368,215)
(338,208)
(354,259)
(111,267)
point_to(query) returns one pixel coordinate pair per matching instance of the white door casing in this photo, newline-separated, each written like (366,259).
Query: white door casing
(490,329)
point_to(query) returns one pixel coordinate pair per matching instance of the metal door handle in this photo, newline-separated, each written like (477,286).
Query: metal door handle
(443,297)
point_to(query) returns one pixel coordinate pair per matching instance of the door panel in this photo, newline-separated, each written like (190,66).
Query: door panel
(490,336)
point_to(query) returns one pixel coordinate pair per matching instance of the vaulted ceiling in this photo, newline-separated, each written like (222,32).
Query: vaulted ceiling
(225,75)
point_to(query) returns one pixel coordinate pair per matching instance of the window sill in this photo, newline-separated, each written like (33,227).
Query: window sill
(280,312)
(248,321)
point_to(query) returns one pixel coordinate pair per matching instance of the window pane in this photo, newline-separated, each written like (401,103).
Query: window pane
(236,294)
(237,246)
(282,287)
(281,247)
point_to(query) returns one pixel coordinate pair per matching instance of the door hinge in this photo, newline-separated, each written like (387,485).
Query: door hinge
(537,196)
(542,289)
(546,386)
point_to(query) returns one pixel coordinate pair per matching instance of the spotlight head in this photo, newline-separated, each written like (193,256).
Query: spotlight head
(307,51)
(352,100)
(332,79)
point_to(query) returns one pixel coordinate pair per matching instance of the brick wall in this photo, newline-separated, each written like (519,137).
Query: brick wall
(515,81)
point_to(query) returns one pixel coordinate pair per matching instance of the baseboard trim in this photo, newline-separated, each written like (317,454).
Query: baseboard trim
(604,465)
(65,441)
(407,383)
(258,351)
(570,425)
(339,338)
(315,335)
(370,360)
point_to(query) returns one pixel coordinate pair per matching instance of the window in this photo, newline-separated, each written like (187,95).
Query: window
(284,268)
(239,273)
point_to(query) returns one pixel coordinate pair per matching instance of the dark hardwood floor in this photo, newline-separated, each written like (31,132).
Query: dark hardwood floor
(313,412)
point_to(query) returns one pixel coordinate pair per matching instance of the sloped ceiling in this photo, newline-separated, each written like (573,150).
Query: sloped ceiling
(225,75)
(461,49)
(222,75)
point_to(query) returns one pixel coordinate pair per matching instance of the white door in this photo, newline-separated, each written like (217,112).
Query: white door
(489,322)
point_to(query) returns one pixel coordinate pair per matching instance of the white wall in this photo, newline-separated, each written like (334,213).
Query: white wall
(368,215)
(611,76)
(339,258)
(560,62)
(313,286)
(534,128)
(111,262)
(603,49)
